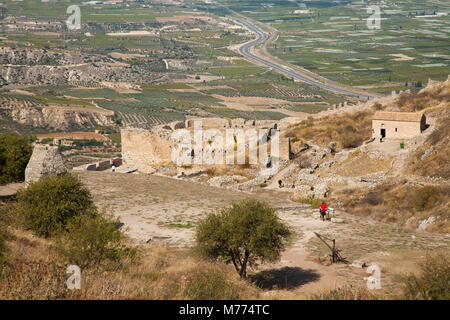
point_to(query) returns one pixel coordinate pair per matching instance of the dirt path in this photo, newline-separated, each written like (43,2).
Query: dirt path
(8,191)
(311,275)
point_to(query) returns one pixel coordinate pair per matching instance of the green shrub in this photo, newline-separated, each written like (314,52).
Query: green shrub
(245,234)
(426,198)
(15,152)
(94,241)
(46,206)
(434,281)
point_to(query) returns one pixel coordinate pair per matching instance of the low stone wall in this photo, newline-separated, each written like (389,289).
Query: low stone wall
(99,166)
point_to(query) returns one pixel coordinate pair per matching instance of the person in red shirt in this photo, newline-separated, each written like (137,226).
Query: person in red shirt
(323,211)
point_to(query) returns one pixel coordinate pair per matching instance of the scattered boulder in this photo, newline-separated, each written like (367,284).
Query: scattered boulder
(427,152)
(424,224)
(320,191)
(238,178)
(303,192)
(306,175)
(327,164)
(332,146)
(220,181)
(337,220)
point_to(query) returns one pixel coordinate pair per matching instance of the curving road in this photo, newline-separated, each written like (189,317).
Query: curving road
(245,50)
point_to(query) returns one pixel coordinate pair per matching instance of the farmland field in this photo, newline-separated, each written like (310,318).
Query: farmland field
(155,62)
(333,39)
(150,63)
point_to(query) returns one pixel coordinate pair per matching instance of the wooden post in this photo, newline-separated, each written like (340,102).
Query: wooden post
(335,256)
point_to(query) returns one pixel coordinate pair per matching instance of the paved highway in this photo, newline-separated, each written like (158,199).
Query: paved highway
(261,37)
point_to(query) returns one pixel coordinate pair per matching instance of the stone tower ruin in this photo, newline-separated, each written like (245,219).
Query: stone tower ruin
(45,161)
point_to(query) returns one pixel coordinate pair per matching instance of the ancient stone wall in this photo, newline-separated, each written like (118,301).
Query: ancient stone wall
(285,148)
(45,161)
(144,149)
(210,123)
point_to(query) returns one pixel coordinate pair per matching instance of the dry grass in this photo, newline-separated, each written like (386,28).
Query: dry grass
(359,164)
(437,162)
(315,203)
(400,203)
(345,293)
(429,97)
(349,129)
(163,273)
(433,281)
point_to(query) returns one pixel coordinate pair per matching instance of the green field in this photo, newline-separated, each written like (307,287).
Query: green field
(333,40)
(330,38)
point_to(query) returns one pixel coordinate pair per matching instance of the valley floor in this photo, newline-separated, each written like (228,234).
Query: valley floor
(162,212)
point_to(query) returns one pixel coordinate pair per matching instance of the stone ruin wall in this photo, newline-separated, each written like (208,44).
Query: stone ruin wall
(44,162)
(143,149)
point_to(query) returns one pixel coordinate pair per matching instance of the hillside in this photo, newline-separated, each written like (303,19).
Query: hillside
(30,114)
(408,186)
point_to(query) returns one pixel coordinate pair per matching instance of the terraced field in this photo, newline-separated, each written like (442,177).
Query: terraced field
(149,64)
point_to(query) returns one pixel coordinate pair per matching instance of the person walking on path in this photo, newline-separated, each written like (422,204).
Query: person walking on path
(323,211)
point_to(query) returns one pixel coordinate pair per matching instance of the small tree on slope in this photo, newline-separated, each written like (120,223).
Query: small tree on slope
(245,234)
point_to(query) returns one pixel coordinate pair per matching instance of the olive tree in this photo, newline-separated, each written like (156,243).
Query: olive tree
(246,234)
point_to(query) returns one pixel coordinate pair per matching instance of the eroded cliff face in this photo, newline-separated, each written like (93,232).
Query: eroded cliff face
(56,117)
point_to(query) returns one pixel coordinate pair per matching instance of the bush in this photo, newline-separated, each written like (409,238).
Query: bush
(46,206)
(351,141)
(426,198)
(94,241)
(245,234)
(373,198)
(434,281)
(15,152)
